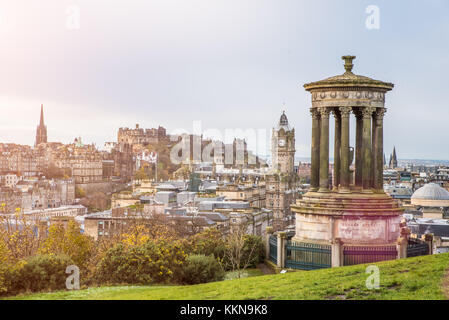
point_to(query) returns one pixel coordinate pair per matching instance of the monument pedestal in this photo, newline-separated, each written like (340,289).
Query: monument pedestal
(355,218)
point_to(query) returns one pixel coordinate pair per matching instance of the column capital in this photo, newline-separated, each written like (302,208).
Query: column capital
(324,112)
(315,113)
(380,112)
(357,112)
(367,112)
(336,112)
(345,111)
(379,116)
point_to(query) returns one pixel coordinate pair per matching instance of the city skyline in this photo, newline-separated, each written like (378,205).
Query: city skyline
(160,65)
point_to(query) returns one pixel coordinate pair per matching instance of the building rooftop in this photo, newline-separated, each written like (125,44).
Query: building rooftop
(431,191)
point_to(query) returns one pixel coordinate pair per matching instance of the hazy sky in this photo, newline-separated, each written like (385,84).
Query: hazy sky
(227,63)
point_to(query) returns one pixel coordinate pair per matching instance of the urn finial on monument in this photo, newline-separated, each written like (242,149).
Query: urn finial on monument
(348,63)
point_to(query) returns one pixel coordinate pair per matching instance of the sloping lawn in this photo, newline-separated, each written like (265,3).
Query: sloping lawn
(413,278)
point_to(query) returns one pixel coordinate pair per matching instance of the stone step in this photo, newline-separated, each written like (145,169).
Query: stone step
(352,211)
(349,200)
(349,204)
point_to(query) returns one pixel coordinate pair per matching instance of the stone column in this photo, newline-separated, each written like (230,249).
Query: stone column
(428,238)
(378,146)
(281,249)
(366,150)
(315,157)
(324,150)
(401,248)
(345,179)
(358,148)
(402,243)
(337,147)
(337,253)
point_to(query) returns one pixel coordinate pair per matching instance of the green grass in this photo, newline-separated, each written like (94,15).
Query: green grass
(414,278)
(244,274)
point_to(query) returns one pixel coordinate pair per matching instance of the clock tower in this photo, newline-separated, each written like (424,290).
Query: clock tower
(283,146)
(282,180)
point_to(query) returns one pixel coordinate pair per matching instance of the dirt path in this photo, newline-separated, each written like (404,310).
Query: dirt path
(265,269)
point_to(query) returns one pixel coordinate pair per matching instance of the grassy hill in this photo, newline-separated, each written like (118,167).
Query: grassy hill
(413,278)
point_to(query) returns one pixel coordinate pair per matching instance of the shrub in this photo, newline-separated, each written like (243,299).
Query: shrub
(68,241)
(201,269)
(41,272)
(10,277)
(4,276)
(123,265)
(208,242)
(151,262)
(4,258)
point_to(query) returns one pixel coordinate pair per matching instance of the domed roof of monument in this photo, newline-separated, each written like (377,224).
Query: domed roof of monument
(349,79)
(431,191)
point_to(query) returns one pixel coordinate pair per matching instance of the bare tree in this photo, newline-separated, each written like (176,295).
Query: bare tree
(236,254)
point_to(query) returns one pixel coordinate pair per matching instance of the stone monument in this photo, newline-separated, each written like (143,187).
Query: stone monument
(354,210)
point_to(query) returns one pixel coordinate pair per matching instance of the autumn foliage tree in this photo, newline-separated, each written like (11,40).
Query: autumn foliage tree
(20,235)
(141,174)
(69,241)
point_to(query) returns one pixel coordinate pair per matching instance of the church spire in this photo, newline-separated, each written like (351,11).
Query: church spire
(41,131)
(41,122)
(393,159)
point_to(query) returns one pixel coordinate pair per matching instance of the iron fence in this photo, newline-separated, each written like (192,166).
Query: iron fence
(307,256)
(273,249)
(417,248)
(353,255)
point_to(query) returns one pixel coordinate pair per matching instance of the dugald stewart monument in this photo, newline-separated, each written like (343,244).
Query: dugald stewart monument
(350,212)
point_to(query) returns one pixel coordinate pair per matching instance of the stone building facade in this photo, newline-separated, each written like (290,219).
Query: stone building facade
(38,194)
(254,194)
(142,136)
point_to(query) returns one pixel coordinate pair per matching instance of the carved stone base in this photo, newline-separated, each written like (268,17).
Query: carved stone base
(355,218)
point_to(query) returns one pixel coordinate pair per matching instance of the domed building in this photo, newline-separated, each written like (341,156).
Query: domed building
(431,195)
(433,199)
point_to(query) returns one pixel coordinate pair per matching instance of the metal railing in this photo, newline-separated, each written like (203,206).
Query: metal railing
(307,256)
(353,255)
(273,249)
(416,248)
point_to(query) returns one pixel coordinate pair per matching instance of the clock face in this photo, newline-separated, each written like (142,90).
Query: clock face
(281,142)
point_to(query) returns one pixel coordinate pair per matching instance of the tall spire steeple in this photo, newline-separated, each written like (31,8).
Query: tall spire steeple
(41,131)
(41,122)
(393,159)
